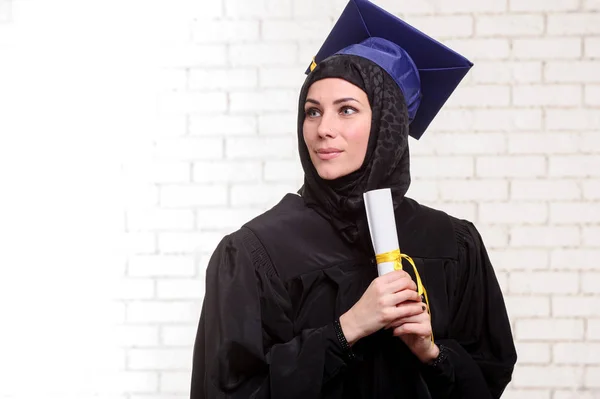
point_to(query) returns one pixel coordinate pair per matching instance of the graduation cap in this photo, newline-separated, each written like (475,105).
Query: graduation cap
(426,71)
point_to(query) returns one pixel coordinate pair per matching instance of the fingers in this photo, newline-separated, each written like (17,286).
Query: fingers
(422,329)
(409,312)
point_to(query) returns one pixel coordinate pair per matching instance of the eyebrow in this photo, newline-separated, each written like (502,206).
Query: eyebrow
(338,101)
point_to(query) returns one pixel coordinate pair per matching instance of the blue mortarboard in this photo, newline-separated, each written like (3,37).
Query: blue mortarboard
(426,71)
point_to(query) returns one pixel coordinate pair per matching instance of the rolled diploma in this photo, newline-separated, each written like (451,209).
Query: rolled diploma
(382,225)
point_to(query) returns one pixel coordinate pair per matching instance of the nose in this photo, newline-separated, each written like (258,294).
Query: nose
(327,126)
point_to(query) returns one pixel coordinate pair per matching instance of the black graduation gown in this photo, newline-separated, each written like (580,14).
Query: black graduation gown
(274,288)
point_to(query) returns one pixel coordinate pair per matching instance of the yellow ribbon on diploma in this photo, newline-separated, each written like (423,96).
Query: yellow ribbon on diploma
(396,256)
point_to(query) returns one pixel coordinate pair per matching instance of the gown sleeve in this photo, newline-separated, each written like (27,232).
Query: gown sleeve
(479,354)
(245,345)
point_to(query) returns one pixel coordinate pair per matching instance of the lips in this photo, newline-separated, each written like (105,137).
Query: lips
(328,153)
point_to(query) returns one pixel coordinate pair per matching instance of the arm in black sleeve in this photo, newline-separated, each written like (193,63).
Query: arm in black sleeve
(479,354)
(245,345)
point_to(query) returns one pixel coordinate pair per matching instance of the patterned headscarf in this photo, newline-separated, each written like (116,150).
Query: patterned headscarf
(386,163)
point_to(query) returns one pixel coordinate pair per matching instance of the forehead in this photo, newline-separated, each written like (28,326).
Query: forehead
(333,89)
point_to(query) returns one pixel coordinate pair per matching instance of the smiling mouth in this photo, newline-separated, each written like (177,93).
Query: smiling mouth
(328,154)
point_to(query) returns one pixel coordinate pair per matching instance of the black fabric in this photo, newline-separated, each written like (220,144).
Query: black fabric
(275,287)
(387,160)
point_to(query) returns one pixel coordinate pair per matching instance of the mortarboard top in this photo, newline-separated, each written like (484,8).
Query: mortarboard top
(426,71)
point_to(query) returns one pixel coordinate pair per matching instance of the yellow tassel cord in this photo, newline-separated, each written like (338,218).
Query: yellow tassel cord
(313,65)
(396,256)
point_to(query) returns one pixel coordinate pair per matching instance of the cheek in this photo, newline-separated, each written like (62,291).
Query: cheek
(360,137)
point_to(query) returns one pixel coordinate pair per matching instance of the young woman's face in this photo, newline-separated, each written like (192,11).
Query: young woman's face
(336,127)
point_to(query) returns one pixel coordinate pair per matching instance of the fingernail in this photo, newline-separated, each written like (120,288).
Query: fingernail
(424,307)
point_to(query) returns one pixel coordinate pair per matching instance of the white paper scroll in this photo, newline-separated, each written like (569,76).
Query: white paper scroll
(382,225)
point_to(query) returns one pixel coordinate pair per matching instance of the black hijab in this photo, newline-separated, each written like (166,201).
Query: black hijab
(386,163)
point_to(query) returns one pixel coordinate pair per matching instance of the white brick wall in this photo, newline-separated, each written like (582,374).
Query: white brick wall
(198,119)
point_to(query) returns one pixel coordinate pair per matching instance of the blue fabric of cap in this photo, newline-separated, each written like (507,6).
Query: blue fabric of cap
(396,62)
(366,30)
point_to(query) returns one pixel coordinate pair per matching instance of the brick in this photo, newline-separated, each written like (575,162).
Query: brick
(533,353)
(573,24)
(592,47)
(229,171)
(271,148)
(494,236)
(546,237)
(509,25)
(547,376)
(225,31)
(571,394)
(223,79)
(188,242)
(544,95)
(543,5)
(502,278)
(572,71)
(593,330)
(473,190)
(159,359)
(544,282)
(264,100)
(283,171)
(442,166)
(444,26)
(315,29)
(178,335)
(592,95)
(140,195)
(258,8)
(480,96)
(158,172)
(127,288)
(163,312)
(263,54)
(134,336)
(192,196)
(187,9)
(180,289)
(591,236)
(135,381)
(488,120)
(223,125)
(423,190)
(590,282)
(544,189)
(527,306)
(576,353)
(484,49)
(5,11)
(511,393)
(574,259)
(277,124)
(512,166)
(192,103)
(259,194)
(224,218)
(190,55)
(315,8)
(465,6)
(548,329)
(590,143)
(175,382)
(592,377)
(189,148)
(513,213)
(547,48)
(502,72)
(546,143)
(570,213)
(161,266)
(574,166)
(593,5)
(306,51)
(425,146)
(519,259)
(138,243)
(159,219)
(281,78)
(469,143)
(574,306)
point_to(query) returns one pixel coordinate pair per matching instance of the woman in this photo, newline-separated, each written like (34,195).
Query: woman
(294,307)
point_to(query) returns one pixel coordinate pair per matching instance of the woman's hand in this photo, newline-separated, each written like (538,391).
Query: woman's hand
(416,333)
(377,307)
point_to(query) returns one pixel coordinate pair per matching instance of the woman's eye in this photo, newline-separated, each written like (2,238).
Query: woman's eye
(313,113)
(348,111)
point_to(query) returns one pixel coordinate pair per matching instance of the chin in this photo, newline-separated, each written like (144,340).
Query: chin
(330,174)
